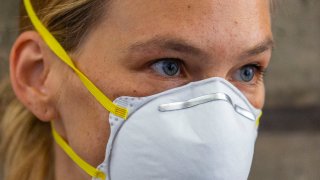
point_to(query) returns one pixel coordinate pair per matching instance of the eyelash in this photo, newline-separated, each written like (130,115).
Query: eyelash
(260,71)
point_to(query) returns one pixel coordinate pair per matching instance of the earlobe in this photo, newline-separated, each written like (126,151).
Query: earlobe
(29,69)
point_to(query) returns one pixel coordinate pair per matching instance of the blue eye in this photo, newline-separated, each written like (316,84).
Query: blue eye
(167,67)
(246,73)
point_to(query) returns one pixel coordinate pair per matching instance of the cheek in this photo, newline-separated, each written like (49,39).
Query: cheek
(257,97)
(83,121)
(255,93)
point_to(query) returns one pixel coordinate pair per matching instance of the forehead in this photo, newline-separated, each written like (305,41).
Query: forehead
(201,21)
(187,11)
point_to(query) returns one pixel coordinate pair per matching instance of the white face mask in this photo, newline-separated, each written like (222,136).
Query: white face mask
(205,130)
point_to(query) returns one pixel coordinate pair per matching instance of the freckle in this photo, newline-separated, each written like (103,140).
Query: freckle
(189,6)
(134,91)
(236,22)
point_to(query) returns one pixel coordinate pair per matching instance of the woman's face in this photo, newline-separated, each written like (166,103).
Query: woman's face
(144,47)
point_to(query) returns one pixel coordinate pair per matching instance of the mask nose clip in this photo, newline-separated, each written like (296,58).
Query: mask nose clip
(206,99)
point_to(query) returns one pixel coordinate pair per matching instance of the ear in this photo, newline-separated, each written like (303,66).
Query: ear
(30,64)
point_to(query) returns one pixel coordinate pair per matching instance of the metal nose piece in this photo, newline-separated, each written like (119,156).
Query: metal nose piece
(205,99)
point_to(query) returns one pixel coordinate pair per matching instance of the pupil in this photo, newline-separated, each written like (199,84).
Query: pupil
(171,68)
(247,74)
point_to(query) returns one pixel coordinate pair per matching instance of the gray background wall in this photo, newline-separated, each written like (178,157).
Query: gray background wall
(289,143)
(8,30)
(294,75)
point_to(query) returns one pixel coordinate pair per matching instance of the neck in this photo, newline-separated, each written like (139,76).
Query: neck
(65,168)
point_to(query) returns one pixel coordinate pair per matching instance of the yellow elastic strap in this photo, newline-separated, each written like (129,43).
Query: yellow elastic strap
(93,172)
(258,120)
(62,54)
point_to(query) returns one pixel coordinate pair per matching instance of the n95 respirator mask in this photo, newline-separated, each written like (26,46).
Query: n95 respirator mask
(205,130)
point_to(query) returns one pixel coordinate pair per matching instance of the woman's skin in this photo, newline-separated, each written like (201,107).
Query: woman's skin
(206,38)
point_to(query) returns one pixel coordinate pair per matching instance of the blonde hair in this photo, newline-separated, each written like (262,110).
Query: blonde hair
(26,144)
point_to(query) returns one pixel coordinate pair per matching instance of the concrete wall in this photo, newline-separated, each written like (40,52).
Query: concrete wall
(294,75)
(293,78)
(8,30)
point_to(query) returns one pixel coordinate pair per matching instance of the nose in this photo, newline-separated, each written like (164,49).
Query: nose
(210,71)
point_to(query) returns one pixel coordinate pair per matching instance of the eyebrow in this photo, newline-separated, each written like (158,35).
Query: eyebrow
(168,43)
(267,44)
(182,46)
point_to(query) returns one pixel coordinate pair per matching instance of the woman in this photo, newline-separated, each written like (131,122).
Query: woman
(131,49)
